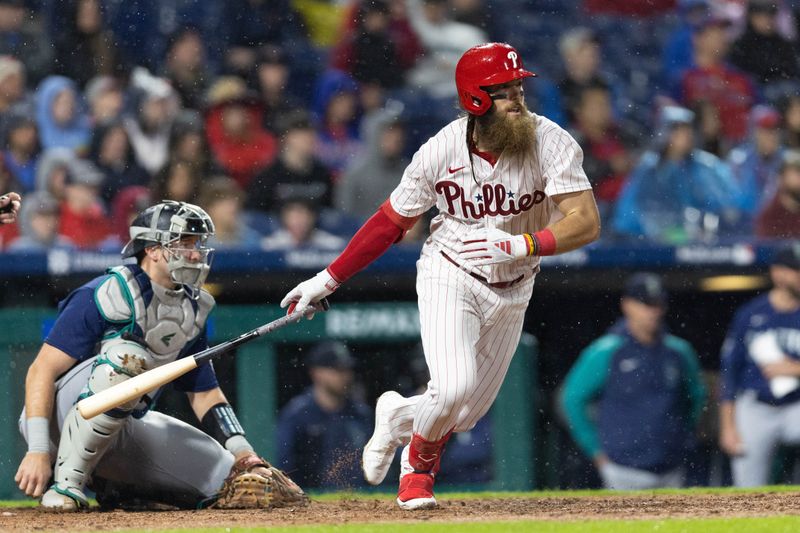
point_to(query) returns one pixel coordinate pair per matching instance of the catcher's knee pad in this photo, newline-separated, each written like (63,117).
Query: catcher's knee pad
(83,443)
(118,361)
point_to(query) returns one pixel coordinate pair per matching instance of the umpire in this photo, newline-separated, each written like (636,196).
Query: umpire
(648,392)
(760,406)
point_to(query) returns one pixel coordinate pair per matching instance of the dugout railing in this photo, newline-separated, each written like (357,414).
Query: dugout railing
(257,381)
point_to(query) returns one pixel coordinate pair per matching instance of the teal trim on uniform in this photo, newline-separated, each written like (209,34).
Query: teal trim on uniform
(583,384)
(81,502)
(103,360)
(126,293)
(692,375)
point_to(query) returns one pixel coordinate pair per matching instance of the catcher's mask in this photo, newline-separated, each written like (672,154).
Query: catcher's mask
(482,66)
(172,225)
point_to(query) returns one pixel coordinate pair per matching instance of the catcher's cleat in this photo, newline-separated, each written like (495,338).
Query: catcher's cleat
(63,499)
(379,451)
(416,491)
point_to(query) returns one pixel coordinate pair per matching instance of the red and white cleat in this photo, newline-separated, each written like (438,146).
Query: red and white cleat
(416,492)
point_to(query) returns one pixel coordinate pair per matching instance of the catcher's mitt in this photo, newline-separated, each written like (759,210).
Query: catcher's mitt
(245,489)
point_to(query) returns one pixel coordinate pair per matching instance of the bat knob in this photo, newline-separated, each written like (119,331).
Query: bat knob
(324,304)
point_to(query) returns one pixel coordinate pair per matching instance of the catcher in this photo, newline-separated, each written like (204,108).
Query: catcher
(133,318)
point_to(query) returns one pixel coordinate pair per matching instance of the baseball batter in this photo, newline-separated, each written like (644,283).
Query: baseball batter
(509,188)
(118,325)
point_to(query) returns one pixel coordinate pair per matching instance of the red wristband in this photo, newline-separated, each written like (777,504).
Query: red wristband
(545,242)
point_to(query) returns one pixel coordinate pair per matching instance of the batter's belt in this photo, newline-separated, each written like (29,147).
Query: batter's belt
(497,285)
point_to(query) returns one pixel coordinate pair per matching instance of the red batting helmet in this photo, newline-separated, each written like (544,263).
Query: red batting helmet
(484,65)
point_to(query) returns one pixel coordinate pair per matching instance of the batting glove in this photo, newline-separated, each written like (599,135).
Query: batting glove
(311,290)
(492,246)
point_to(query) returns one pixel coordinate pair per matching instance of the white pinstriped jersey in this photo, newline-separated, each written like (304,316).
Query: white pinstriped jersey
(513,195)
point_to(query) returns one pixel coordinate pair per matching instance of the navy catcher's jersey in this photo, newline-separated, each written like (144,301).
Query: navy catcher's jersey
(80,327)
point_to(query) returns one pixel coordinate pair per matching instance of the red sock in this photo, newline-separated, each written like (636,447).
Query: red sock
(424,455)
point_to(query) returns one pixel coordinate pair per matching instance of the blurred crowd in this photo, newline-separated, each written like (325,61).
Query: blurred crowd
(290,121)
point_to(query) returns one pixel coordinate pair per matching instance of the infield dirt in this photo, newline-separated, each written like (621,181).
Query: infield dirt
(365,510)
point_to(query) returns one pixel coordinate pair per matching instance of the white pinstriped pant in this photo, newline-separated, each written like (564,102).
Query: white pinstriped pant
(470,332)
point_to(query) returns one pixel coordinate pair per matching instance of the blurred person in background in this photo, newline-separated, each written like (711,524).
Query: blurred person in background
(374,174)
(298,229)
(368,52)
(178,181)
(84,48)
(581,54)
(60,116)
(128,202)
(318,430)
(271,79)
(711,78)
(111,152)
(238,141)
(760,389)
(780,217)
(23,36)
(222,199)
(755,163)
(761,51)
(51,173)
(607,157)
(708,129)
(185,66)
(154,107)
(83,218)
(38,225)
(678,48)
(443,41)
(648,391)
(105,98)
(13,96)
(790,110)
(336,106)
(21,154)
(676,192)
(296,173)
(188,142)
(246,25)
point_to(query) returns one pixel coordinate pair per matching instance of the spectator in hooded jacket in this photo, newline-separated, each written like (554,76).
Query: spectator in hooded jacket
(648,392)
(38,225)
(336,105)
(154,108)
(240,144)
(60,116)
(374,174)
(677,192)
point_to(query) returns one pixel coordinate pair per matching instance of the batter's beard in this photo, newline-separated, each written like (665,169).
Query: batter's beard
(501,133)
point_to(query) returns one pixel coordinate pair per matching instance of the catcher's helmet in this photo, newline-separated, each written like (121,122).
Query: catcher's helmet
(165,224)
(484,65)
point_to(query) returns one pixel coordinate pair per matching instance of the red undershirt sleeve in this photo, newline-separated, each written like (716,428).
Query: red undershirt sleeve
(383,229)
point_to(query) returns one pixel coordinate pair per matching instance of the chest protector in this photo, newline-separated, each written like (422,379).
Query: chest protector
(168,320)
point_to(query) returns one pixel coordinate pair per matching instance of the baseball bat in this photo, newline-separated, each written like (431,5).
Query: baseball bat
(138,386)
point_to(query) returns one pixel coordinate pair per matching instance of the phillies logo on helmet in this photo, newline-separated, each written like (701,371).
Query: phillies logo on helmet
(482,66)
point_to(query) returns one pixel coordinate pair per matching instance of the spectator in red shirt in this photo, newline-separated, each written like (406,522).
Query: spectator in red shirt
(239,142)
(712,79)
(83,218)
(781,217)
